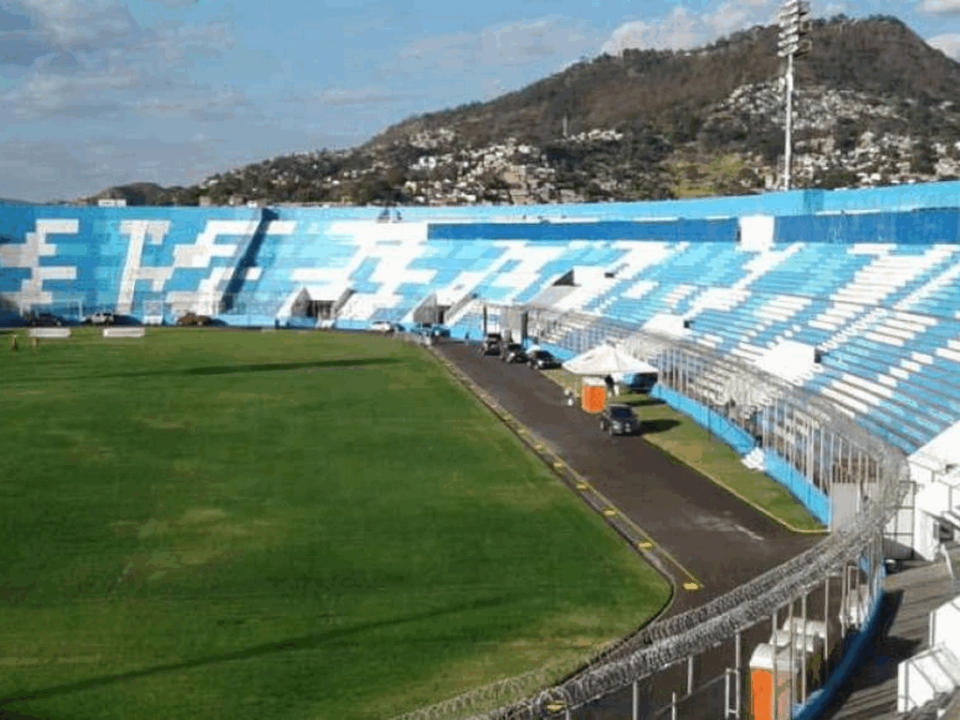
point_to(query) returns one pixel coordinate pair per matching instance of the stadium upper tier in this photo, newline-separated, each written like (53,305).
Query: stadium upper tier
(866,277)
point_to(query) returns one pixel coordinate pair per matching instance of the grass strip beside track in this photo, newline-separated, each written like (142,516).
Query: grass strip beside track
(223,524)
(680,437)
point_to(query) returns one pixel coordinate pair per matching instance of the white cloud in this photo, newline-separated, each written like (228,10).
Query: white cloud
(190,41)
(533,40)
(30,29)
(681,29)
(104,26)
(85,24)
(444,51)
(834,8)
(63,169)
(195,103)
(731,17)
(940,7)
(359,96)
(492,87)
(514,44)
(92,59)
(45,94)
(175,3)
(948,43)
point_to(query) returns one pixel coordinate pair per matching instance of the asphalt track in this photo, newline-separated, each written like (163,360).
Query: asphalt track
(708,533)
(714,536)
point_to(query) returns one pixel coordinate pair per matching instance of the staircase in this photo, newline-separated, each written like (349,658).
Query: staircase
(912,594)
(460,308)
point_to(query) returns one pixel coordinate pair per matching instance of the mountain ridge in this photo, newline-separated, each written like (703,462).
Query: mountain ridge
(874,105)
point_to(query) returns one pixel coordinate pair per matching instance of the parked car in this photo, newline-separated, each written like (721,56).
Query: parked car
(642,382)
(619,419)
(191,319)
(100,318)
(490,345)
(542,360)
(431,330)
(44,319)
(512,353)
(381,326)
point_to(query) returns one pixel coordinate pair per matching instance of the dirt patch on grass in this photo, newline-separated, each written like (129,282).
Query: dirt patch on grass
(199,537)
(165,423)
(150,567)
(202,516)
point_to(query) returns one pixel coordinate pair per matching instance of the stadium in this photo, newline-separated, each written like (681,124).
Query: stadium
(815,332)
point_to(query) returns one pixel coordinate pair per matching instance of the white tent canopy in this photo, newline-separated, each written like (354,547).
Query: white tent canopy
(607,360)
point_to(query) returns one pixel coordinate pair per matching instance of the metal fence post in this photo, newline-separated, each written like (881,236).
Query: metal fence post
(739,699)
(826,624)
(726,692)
(792,639)
(803,651)
(776,669)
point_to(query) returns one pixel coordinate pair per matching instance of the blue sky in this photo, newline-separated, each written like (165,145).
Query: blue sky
(103,92)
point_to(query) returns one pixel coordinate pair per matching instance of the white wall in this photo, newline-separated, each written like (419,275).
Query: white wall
(756,232)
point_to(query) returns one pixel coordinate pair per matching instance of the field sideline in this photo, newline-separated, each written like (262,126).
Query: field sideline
(228,524)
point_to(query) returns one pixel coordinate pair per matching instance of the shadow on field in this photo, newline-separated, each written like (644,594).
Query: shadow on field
(658,426)
(306,642)
(308,366)
(273,367)
(643,401)
(10,715)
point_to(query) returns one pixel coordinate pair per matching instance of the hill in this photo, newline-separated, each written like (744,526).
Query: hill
(874,105)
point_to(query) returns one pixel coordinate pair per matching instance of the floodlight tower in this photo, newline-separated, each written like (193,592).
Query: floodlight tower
(794,20)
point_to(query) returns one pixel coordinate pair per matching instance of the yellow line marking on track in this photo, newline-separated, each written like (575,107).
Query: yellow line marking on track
(692,584)
(693,581)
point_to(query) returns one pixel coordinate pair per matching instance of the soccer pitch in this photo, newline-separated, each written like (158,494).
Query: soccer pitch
(228,524)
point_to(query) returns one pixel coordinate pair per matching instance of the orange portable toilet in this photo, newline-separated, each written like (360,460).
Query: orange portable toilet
(594,395)
(770,673)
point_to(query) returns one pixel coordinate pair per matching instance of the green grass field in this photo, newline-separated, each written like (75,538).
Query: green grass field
(677,435)
(220,524)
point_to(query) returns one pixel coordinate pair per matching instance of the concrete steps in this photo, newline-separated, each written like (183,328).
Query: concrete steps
(871,692)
